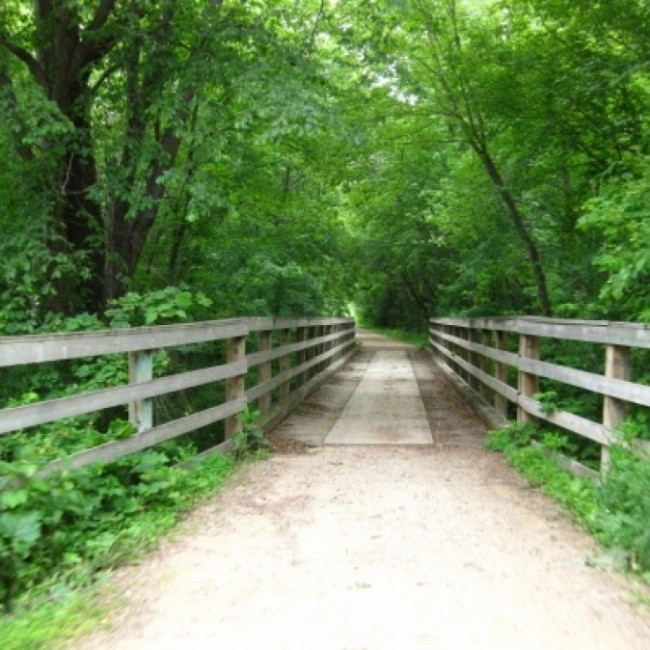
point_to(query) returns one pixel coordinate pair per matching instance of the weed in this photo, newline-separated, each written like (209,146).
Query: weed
(548,401)
(617,511)
(251,437)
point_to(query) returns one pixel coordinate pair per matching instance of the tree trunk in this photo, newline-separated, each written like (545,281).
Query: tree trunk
(81,224)
(66,56)
(520,226)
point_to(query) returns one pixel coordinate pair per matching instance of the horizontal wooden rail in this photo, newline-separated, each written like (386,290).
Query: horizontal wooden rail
(635,335)
(310,350)
(461,347)
(16,350)
(22,417)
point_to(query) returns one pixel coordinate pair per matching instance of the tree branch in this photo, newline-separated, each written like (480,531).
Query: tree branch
(93,49)
(23,55)
(102,13)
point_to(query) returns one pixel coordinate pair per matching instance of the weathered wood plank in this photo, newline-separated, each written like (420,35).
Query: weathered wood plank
(141,371)
(496,354)
(117,449)
(500,387)
(30,415)
(17,350)
(256,358)
(605,332)
(617,366)
(235,385)
(619,388)
(575,423)
(265,369)
(255,392)
(506,324)
(528,382)
(500,373)
(261,324)
(285,365)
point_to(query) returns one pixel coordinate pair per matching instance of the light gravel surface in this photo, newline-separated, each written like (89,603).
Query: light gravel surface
(377,547)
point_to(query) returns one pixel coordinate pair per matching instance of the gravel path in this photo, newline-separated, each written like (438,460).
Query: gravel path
(377,547)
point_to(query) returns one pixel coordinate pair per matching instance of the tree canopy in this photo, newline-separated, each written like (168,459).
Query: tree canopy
(409,157)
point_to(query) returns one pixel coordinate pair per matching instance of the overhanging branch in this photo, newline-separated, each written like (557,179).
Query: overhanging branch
(23,55)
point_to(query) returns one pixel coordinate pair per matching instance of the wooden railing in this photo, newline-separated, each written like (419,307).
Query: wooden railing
(481,353)
(292,357)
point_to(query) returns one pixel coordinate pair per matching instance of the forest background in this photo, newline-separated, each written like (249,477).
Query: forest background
(413,158)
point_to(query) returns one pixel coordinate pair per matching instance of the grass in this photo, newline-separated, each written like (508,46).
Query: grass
(54,622)
(67,606)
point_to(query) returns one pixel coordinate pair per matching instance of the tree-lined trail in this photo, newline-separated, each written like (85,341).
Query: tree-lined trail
(377,546)
(420,157)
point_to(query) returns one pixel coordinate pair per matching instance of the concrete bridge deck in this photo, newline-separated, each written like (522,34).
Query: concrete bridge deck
(389,393)
(409,537)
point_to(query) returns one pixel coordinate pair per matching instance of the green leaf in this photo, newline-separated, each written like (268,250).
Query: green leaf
(151,315)
(12,498)
(21,528)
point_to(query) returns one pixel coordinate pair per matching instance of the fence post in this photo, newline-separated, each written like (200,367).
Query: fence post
(328,329)
(235,386)
(284,365)
(528,382)
(301,336)
(617,366)
(455,331)
(141,370)
(500,373)
(467,355)
(320,348)
(484,391)
(265,371)
(309,352)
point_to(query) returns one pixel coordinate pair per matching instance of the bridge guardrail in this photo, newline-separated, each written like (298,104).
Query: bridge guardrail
(475,351)
(307,351)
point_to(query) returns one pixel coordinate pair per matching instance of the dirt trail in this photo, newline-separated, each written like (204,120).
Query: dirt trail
(377,547)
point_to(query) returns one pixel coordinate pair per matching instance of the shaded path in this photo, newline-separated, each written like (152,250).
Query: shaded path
(385,395)
(377,547)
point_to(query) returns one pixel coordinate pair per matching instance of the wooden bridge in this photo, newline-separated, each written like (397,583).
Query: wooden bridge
(274,364)
(392,528)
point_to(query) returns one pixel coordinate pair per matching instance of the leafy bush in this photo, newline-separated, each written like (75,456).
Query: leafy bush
(624,508)
(86,518)
(617,511)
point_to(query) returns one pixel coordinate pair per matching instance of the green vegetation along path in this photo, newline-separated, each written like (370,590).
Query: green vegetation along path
(376,546)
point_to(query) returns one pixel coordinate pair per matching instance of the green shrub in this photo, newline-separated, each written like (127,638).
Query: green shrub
(623,519)
(86,517)
(617,511)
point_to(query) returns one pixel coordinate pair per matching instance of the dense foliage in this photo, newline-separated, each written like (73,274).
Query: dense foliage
(509,172)
(416,157)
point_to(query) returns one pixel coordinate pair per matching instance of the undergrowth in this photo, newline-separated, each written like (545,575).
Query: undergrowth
(616,510)
(58,534)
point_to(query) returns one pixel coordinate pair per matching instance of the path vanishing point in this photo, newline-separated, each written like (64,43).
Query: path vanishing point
(389,528)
